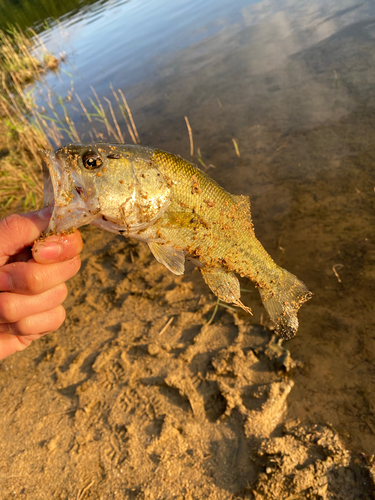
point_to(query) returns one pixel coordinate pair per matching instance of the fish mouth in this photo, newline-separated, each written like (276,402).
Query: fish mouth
(52,173)
(63,192)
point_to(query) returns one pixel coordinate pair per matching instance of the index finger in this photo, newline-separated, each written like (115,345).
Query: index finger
(31,278)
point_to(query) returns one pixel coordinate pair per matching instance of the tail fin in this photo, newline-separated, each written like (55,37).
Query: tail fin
(283,301)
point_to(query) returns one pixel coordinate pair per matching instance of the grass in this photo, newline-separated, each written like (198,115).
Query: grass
(26,127)
(19,138)
(20,179)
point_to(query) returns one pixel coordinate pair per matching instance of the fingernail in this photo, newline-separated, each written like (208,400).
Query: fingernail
(5,282)
(48,252)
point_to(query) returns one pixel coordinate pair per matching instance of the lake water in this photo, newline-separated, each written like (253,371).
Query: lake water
(293,83)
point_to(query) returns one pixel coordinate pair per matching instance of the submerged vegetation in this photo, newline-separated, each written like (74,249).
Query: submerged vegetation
(27,126)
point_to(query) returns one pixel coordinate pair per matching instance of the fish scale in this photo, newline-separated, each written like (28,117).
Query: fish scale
(240,250)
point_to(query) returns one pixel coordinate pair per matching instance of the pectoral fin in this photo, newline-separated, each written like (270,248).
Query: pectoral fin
(172,259)
(224,285)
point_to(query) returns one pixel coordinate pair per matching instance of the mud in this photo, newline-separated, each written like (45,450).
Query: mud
(140,396)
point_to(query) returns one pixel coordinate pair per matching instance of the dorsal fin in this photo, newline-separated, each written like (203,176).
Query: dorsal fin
(244,206)
(243,202)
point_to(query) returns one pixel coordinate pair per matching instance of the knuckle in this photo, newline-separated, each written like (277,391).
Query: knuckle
(61,315)
(11,224)
(55,320)
(8,310)
(57,295)
(75,264)
(41,323)
(25,326)
(9,227)
(33,281)
(21,327)
(70,268)
(63,291)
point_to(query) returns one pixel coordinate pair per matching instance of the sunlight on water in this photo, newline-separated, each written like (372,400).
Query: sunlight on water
(123,42)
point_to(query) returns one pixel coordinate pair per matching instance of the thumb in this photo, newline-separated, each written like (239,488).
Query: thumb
(57,248)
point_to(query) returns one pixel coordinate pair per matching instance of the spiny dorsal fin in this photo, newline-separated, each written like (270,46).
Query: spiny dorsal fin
(172,259)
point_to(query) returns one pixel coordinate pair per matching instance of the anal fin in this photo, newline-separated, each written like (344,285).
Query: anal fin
(172,259)
(224,285)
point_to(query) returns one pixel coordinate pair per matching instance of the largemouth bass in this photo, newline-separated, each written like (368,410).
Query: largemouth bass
(178,210)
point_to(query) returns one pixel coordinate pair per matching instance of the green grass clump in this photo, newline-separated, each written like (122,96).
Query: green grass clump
(20,135)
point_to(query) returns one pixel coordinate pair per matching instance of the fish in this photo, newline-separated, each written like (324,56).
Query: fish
(178,210)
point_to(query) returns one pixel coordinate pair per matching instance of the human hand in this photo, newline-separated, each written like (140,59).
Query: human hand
(32,280)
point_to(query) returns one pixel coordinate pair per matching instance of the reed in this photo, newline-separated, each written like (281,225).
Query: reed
(26,127)
(20,137)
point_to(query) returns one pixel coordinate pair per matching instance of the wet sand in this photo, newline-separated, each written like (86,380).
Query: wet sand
(137,396)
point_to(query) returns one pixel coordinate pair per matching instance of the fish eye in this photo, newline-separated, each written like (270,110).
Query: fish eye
(91,161)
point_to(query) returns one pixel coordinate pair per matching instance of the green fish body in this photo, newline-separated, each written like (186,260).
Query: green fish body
(179,211)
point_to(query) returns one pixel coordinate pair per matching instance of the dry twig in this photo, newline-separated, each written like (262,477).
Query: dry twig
(334,269)
(190,136)
(166,326)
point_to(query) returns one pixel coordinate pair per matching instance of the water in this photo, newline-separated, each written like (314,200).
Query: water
(293,82)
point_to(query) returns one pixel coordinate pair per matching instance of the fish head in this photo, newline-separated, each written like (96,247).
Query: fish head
(116,187)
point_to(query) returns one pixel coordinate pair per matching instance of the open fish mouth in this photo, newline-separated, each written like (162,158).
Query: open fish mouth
(64,193)
(52,173)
